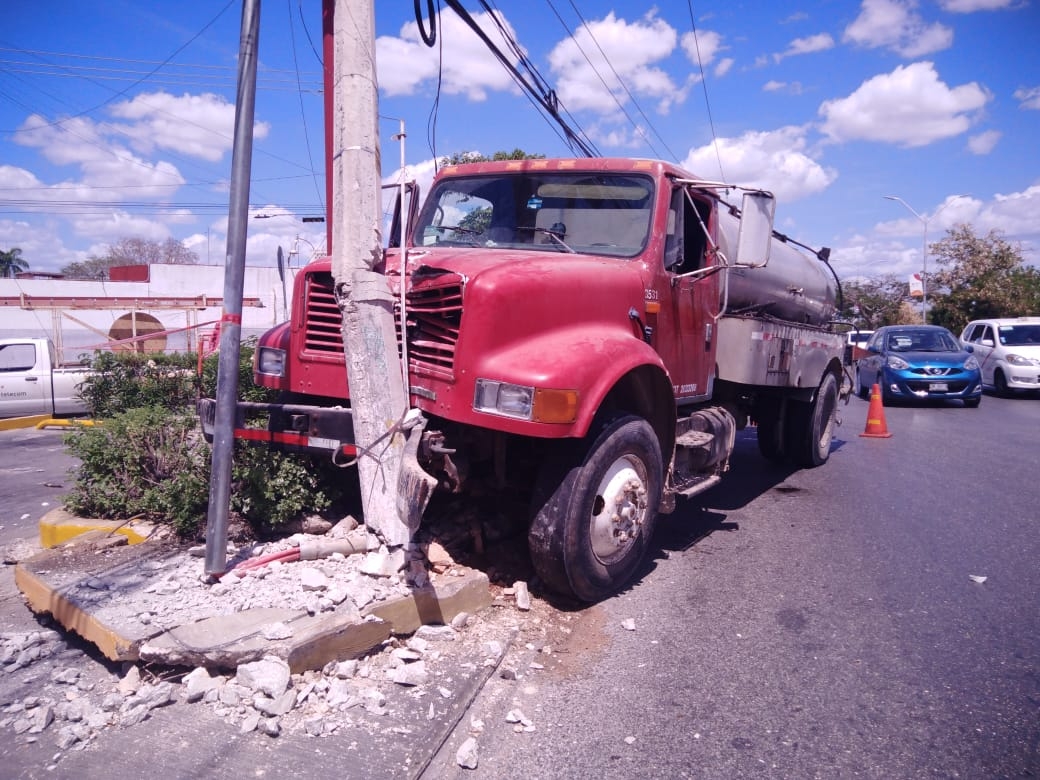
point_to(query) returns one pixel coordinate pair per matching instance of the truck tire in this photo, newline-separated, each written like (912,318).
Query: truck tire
(579,546)
(770,431)
(810,426)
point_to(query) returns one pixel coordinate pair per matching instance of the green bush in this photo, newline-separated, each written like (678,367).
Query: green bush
(147,457)
(130,380)
(148,462)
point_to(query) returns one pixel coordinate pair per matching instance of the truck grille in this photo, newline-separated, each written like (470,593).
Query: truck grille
(323,321)
(434,315)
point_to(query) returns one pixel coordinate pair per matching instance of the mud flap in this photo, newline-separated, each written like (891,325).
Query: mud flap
(414,485)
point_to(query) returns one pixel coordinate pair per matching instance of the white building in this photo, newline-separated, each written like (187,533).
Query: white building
(174,305)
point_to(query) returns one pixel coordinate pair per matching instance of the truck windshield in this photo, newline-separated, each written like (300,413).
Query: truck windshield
(588,213)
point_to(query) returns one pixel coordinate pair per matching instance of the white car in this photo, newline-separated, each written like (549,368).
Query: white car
(1008,350)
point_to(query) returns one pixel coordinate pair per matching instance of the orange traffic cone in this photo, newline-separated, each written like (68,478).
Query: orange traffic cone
(877,428)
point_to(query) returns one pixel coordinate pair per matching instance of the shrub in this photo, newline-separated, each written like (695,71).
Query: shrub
(148,457)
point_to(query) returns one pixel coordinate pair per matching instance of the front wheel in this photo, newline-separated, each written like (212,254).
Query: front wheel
(595,508)
(972,403)
(810,426)
(1000,385)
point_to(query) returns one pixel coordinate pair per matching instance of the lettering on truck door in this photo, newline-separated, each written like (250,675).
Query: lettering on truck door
(23,391)
(691,299)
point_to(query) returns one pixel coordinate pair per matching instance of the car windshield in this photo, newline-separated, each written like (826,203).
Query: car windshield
(922,341)
(1019,335)
(590,213)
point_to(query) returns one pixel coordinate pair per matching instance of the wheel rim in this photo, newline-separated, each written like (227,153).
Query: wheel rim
(619,509)
(826,410)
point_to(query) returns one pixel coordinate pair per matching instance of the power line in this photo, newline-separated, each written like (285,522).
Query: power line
(704,85)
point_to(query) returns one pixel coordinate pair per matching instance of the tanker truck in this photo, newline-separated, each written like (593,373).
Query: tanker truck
(584,337)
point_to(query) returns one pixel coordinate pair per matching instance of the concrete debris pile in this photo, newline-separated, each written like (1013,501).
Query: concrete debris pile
(400,687)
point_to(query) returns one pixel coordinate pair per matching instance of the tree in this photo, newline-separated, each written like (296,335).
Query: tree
(461,158)
(871,303)
(131,251)
(981,277)
(11,262)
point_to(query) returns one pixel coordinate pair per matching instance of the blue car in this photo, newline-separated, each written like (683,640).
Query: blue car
(919,363)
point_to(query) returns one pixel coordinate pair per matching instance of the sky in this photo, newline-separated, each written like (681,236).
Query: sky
(117,118)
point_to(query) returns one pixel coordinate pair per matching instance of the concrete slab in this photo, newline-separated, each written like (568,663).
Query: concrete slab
(106,594)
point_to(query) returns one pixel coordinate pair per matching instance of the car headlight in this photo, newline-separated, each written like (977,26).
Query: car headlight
(525,403)
(896,362)
(270,361)
(971,364)
(1019,360)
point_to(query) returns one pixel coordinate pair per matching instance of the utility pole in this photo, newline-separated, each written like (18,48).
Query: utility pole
(377,391)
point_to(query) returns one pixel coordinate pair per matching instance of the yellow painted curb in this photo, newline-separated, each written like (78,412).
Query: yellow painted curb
(59,526)
(65,422)
(12,423)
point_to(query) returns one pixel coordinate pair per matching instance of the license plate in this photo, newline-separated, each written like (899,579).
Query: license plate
(938,387)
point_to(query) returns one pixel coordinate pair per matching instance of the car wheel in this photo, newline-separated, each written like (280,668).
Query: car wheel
(1000,385)
(861,390)
(886,398)
(594,510)
(972,403)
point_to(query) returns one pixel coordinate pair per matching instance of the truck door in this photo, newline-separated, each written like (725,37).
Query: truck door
(692,300)
(23,389)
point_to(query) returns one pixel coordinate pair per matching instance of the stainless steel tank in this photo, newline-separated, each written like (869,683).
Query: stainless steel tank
(793,286)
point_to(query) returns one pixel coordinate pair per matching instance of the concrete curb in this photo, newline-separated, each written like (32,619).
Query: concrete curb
(75,582)
(59,527)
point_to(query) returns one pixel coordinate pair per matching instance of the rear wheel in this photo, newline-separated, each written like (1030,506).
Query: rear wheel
(810,426)
(861,389)
(595,507)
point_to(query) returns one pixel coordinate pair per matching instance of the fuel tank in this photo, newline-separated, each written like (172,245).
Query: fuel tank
(793,285)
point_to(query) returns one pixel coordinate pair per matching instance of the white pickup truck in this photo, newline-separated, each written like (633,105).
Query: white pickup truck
(32,382)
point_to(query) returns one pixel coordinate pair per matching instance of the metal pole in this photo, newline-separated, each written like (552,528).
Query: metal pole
(924,274)
(234,280)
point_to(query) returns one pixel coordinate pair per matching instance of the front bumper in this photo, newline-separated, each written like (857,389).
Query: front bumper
(913,386)
(289,427)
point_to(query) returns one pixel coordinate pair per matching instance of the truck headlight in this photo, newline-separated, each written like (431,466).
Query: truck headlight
(270,361)
(537,404)
(503,398)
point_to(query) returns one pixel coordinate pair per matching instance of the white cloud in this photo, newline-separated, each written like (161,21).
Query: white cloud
(108,170)
(809,45)
(774,160)
(895,25)
(1028,97)
(707,43)
(970,6)
(196,125)
(724,66)
(1015,214)
(984,143)
(585,62)
(405,63)
(909,106)
(788,88)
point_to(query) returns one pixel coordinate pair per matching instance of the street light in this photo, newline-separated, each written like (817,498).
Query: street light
(924,247)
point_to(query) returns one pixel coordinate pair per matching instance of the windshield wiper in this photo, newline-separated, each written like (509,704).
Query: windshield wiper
(551,234)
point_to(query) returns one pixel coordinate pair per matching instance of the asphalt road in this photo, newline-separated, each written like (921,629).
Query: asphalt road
(790,624)
(33,477)
(808,624)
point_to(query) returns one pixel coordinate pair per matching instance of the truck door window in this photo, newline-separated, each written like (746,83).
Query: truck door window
(687,239)
(17,357)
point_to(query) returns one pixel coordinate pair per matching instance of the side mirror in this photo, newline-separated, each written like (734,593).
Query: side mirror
(987,342)
(756,228)
(874,348)
(969,348)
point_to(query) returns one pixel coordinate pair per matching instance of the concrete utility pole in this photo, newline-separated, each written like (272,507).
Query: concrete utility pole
(377,390)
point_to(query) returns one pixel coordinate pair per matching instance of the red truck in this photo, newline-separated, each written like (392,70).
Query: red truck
(588,332)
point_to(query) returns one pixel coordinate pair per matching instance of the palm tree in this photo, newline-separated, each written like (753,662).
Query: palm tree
(11,262)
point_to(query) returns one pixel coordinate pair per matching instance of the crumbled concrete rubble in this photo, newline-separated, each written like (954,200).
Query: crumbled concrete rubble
(401,685)
(409,680)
